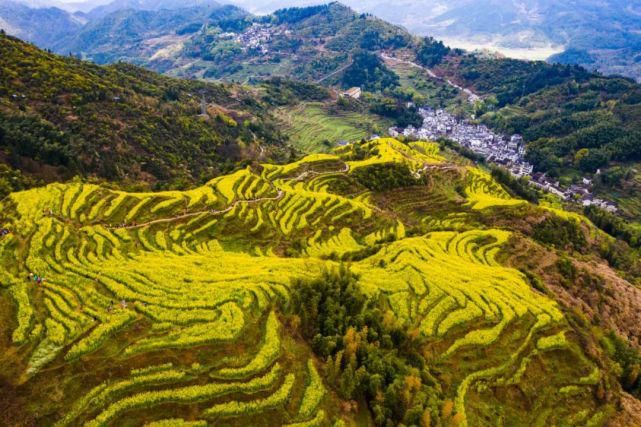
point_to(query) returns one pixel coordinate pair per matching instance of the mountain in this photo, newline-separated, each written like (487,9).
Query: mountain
(308,44)
(381,284)
(42,26)
(60,117)
(85,26)
(133,35)
(147,5)
(599,35)
(564,113)
(605,32)
(82,6)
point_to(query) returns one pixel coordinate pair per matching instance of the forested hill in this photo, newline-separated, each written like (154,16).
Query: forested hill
(136,36)
(306,43)
(61,117)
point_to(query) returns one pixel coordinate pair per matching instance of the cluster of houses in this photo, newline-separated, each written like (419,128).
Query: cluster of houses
(508,152)
(255,37)
(580,192)
(477,137)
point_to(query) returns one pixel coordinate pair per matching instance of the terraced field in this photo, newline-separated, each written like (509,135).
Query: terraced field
(309,124)
(164,308)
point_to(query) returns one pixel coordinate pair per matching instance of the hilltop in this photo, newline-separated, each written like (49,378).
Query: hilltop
(42,26)
(201,305)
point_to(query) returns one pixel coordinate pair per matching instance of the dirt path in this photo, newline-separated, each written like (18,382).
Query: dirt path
(307,173)
(333,73)
(471,96)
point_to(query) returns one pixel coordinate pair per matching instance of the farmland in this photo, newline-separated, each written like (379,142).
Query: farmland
(308,125)
(172,308)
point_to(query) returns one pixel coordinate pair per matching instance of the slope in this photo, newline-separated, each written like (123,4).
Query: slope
(60,117)
(576,124)
(600,35)
(42,26)
(131,34)
(165,306)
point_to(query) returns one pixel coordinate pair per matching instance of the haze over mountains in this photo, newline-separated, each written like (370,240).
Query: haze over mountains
(600,35)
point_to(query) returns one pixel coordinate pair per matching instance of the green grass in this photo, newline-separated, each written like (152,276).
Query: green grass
(308,125)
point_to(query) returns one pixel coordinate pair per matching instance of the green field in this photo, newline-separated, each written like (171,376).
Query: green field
(310,124)
(167,308)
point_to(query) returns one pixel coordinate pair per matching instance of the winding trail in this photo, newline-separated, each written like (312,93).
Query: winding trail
(305,174)
(471,96)
(280,194)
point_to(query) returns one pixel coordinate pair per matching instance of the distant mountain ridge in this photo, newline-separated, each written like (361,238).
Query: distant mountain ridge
(148,5)
(62,26)
(133,35)
(42,26)
(223,41)
(601,35)
(604,32)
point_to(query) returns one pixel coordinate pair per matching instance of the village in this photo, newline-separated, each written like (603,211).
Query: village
(507,152)
(255,37)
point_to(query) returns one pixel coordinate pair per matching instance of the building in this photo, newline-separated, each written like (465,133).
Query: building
(354,93)
(500,149)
